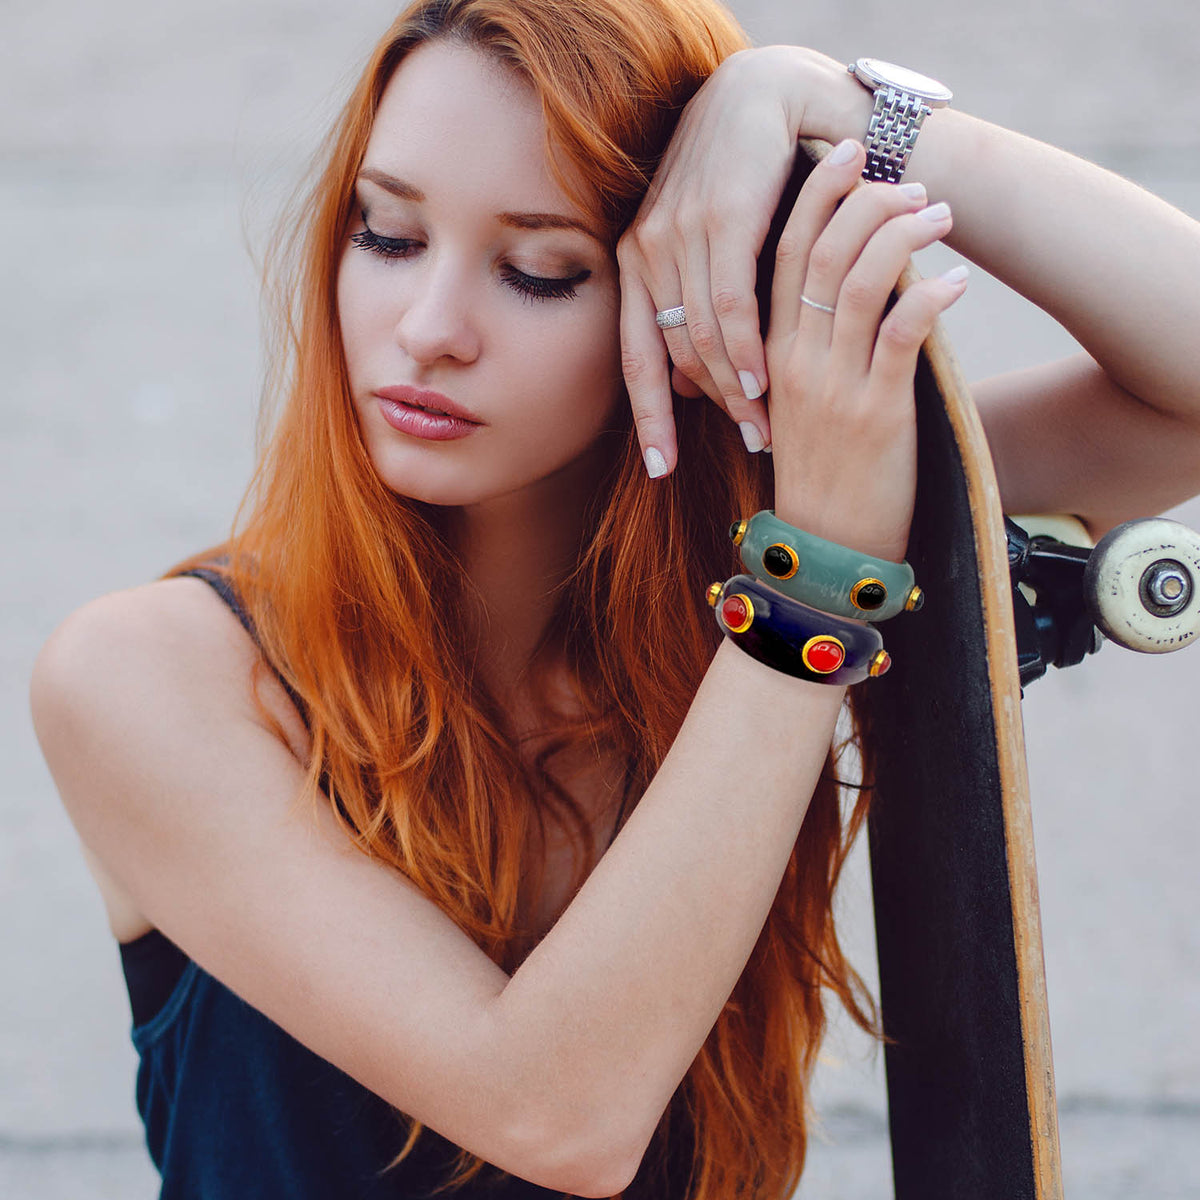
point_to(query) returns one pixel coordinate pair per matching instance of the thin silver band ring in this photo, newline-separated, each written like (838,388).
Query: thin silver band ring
(829,308)
(670,318)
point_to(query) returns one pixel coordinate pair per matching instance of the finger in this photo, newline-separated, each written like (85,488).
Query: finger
(644,365)
(732,278)
(701,384)
(698,350)
(910,322)
(868,285)
(684,386)
(698,381)
(831,179)
(840,245)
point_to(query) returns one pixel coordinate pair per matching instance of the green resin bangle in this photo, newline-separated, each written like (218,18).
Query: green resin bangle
(821,574)
(793,638)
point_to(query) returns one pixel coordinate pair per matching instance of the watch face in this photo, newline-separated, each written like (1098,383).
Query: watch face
(874,72)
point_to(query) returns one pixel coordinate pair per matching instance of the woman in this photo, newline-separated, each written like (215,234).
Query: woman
(559,884)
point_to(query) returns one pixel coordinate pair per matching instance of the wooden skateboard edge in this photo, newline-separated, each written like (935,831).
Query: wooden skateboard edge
(987,518)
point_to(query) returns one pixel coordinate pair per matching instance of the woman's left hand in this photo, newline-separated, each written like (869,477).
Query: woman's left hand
(695,243)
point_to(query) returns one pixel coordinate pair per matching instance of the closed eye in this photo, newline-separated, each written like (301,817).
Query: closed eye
(368,239)
(531,287)
(538,287)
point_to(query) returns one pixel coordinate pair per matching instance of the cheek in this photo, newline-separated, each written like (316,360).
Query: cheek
(359,316)
(593,349)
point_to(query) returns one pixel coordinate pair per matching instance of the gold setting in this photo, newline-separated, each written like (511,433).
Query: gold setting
(880,661)
(713,594)
(793,557)
(915,599)
(858,587)
(749,613)
(737,531)
(823,637)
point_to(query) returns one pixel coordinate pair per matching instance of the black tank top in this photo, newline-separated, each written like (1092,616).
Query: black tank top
(234,1107)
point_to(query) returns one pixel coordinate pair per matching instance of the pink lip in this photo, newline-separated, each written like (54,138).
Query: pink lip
(419,398)
(399,406)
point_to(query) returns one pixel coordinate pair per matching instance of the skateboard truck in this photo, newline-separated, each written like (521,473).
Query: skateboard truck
(1139,587)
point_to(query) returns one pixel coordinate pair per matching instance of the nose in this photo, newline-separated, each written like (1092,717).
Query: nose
(440,314)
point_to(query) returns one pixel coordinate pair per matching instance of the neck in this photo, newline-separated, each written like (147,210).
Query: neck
(518,550)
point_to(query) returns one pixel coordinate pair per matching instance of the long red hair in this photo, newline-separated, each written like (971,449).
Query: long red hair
(354,591)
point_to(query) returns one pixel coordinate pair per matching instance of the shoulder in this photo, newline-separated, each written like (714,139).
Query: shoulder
(129,657)
(177,617)
(109,660)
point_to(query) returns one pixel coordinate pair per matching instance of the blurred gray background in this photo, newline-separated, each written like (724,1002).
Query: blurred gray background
(144,148)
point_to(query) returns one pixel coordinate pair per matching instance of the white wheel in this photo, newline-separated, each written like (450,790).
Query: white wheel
(1142,585)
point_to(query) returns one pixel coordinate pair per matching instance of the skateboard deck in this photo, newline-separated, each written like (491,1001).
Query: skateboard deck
(958,930)
(962,981)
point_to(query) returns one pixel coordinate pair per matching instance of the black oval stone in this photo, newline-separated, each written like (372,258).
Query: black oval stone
(870,596)
(778,561)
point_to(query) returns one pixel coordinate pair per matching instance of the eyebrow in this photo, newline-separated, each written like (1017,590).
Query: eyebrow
(515,220)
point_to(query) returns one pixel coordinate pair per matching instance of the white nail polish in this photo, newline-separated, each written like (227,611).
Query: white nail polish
(749,385)
(956,274)
(842,153)
(751,436)
(935,212)
(914,191)
(656,465)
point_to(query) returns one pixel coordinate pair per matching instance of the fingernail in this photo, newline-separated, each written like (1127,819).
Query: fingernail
(914,191)
(751,436)
(935,212)
(957,274)
(843,152)
(768,450)
(656,465)
(750,385)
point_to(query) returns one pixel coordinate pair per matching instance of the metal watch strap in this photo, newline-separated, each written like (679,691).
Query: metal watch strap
(895,122)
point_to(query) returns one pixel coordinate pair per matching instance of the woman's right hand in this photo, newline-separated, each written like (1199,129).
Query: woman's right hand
(841,403)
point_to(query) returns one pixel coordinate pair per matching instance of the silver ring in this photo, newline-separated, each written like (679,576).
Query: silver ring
(670,318)
(813,304)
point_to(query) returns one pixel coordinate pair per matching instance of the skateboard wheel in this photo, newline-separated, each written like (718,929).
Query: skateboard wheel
(1142,585)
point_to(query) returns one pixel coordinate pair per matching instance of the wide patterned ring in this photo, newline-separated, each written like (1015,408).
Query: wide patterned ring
(670,318)
(822,574)
(793,638)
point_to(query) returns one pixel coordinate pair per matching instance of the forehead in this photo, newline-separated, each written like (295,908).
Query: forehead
(452,114)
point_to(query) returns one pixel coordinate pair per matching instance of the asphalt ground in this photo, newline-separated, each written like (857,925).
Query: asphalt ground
(142,151)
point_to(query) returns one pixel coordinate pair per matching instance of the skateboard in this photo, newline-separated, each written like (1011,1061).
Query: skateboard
(970,1076)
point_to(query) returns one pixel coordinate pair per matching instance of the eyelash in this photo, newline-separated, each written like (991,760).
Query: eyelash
(531,287)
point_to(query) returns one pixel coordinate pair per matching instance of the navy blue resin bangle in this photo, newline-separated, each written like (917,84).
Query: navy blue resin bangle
(793,638)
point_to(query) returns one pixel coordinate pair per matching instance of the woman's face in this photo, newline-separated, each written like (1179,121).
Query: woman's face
(469,274)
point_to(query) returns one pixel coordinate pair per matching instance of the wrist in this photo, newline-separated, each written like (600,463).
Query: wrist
(822,99)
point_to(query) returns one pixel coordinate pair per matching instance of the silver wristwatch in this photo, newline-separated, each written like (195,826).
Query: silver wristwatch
(903,99)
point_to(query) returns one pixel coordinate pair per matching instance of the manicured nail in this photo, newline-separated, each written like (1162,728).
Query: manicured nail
(914,191)
(656,465)
(935,212)
(768,449)
(749,385)
(843,152)
(751,436)
(957,274)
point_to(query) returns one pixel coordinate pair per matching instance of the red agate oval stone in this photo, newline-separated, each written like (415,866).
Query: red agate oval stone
(824,655)
(735,613)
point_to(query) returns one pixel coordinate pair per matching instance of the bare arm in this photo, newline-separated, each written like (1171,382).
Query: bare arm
(1114,264)
(1066,437)
(560,1074)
